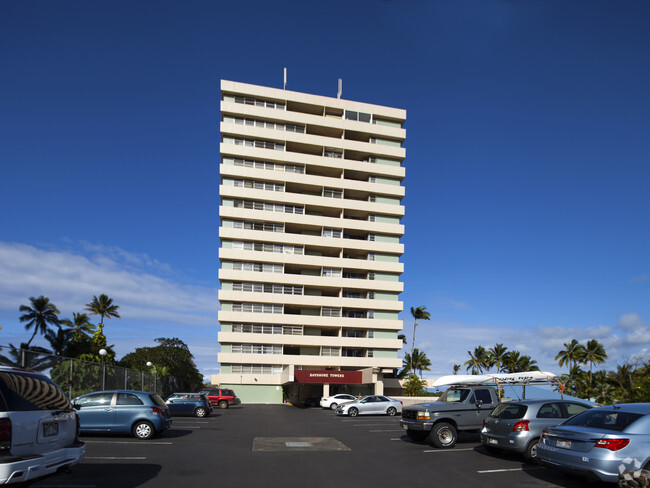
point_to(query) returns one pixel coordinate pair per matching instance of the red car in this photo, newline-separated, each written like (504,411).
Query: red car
(220,397)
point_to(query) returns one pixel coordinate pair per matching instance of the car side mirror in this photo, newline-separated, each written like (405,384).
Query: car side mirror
(479,403)
(76,406)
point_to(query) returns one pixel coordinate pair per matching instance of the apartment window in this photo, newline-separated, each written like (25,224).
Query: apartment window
(268,329)
(371,218)
(258,267)
(353,294)
(269,207)
(266,124)
(332,233)
(267,247)
(277,146)
(371,256)
(256,308)
(332,153)
(369,353)
(263,226)
(258,185)
(371,276)
(354,276)
(350,352)
(255,164)
(332,193)
(371,334)
(330,312)
(353,333)
(256,349)
(359,116)
(372,179)
(371,314)
(267,288)
(372,198)
(259,103)
(371,237)
(330,351)
(371,295)
(256,369)
(292,329)
(331,272)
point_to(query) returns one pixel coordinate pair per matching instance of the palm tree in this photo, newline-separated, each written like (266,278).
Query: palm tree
(573,353)
(477,361)
(402,337)
(58,340)
(80,326)
(515,362)
(40,315)
(594,354)
(419,313)
(416,362)
(457,368)
(103,306)
(35,357)
(496,355)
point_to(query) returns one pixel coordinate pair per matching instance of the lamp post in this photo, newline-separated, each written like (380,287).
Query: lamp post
(102,353)
(149,365)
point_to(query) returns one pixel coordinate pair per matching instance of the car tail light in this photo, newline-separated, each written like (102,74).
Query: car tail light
(611,444)
(5,434)
(521,426)
(484,423)
(156,411)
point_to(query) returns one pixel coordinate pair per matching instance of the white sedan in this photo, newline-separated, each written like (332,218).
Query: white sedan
(334,401)
(373,404)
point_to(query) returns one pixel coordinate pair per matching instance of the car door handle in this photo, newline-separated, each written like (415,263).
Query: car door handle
(109,409)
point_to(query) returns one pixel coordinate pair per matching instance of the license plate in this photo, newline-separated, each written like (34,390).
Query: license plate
(492,441)
(563,444)
(50,429)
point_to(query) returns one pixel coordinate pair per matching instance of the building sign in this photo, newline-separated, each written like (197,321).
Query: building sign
(327,376)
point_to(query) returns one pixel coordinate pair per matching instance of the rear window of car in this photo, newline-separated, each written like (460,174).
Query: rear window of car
(128,399)
(24,391)
(507,411)
(227,393)
(158,401)
(604,419)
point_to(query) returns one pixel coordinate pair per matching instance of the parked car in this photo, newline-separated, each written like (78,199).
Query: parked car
(139,413)
(335,400)
(39,429)
(373,404)
(517,425)
(192,404)
(220,397)
(599,443)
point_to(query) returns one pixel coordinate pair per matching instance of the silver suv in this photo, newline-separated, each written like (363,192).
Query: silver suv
(39,429)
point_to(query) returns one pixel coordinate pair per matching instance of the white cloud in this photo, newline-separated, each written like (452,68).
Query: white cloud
(444,303)
(150,305)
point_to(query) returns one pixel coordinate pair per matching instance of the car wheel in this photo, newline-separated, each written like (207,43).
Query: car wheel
(531,450)
(353,412)
(200,412)
(143,430)
(223,404)
(333,406)
(391,411)
(443,435)
(417,435)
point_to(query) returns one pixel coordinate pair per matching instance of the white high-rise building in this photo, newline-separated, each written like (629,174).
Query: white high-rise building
(310,244)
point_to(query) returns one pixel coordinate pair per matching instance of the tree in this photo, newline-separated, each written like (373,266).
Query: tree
(572,354)
(515,362)
(58,340)
(419,313)
(34,357)
(414,386)
(80,325)
(416,362)
(594,353)
(457,368)
(103,306)
(40,315)
(478,361)
(172,354)
(496,355)
(403,338)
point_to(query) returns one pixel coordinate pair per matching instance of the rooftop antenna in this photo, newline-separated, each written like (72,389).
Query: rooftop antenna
(284,86)
(340,92)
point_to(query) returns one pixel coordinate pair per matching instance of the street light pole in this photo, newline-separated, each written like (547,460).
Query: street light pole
(102,353)
(149,365)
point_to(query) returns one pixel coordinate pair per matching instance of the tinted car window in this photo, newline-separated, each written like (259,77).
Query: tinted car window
(574,408)
(128,399)
(549,411)
(227,393)
(95,400)
(158,401)
(507,411)
(24,391)
(483,396)
(604,419)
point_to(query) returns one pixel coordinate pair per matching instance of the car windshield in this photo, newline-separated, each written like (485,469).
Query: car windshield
(509,411)
(604,419)
(455,395)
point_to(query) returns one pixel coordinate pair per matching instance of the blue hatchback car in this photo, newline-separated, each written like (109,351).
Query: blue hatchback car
(139,413)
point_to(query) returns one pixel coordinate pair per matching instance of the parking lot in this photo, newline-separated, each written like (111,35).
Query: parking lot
(278,445)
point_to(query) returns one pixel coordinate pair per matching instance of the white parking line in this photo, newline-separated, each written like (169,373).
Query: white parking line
(508,470)
(65,486)
(139,443)
(449,450)
(116,457)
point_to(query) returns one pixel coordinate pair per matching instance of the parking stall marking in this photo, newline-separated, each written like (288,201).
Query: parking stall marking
(487,471)
(449,450)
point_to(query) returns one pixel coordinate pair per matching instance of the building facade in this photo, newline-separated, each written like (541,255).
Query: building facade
(310,209)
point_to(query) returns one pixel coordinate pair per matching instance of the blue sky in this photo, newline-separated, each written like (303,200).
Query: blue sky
(528,159)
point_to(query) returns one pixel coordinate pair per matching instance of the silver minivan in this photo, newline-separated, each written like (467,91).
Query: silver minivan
(39,429)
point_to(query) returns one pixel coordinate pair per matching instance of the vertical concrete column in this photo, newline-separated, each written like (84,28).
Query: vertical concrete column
(326,390)
(379,387)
